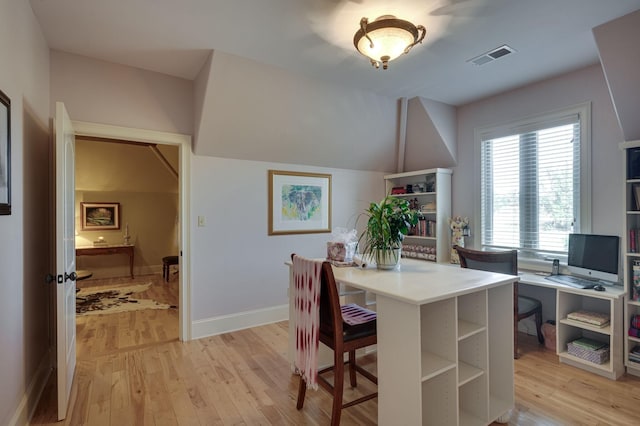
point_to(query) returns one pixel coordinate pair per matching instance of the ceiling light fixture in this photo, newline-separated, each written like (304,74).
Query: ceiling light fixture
(386,38)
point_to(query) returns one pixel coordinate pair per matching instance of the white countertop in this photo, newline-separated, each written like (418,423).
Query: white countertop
(531,278)
(419,282)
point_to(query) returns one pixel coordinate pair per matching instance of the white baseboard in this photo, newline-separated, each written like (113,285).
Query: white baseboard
(29,401)
(240,321)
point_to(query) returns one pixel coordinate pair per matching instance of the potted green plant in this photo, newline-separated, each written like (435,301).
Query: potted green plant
(388,223)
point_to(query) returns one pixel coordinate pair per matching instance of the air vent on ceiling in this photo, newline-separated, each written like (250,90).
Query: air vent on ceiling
(492,55)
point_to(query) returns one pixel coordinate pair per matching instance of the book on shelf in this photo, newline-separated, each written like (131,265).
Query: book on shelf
(634,331)
(634,355)
(635,321)
(633,243)
(424,228)
(592,318)
(635,281)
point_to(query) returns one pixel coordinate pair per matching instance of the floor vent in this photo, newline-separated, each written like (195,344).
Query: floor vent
(492,55)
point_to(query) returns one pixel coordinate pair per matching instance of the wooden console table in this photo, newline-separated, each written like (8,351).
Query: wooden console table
(110,249)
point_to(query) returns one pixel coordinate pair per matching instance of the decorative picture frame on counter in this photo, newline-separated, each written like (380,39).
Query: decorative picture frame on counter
(299,202)
(100,216)
(5,154)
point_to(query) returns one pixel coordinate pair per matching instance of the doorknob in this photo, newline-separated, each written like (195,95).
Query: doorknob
(72,276)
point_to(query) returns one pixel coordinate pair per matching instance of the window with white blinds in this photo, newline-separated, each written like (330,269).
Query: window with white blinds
(530,184)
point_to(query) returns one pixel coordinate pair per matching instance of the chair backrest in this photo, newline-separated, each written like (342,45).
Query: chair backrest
(505,262)
(330,321)
(330,313)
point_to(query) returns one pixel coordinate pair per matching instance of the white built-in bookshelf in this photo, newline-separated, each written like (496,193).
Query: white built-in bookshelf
(429,191)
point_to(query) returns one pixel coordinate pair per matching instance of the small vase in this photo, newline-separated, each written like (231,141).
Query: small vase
(387,258)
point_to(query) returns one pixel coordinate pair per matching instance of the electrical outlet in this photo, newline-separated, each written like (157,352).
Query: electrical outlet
(201,221)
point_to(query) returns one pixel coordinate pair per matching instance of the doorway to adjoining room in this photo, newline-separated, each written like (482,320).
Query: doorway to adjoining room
(127,221)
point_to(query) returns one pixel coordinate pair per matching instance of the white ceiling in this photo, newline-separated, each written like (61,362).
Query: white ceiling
(315,37)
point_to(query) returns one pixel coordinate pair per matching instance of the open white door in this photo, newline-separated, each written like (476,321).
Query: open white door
(65,256)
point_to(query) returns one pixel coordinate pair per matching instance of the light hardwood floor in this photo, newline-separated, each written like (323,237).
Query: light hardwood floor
(132,370)
(105,334)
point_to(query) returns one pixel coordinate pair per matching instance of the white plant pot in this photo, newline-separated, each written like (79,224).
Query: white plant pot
(387,258)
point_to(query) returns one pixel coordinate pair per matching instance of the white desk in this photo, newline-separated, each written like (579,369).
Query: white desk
(445,342)
(528,277)
(569,299)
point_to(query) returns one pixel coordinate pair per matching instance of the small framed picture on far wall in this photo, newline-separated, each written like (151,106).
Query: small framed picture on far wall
(100,216)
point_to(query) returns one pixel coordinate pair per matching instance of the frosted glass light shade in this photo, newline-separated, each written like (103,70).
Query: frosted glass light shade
(389,42)
(386,38)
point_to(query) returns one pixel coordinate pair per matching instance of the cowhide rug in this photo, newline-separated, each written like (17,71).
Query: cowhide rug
(93,301)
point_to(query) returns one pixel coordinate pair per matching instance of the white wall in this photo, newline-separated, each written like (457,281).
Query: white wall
(108,93)
(24,235)
(237,267)
(584,85)
(264,113)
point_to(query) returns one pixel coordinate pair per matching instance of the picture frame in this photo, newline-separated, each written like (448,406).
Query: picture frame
(100,216)
(5,154)
(299,202)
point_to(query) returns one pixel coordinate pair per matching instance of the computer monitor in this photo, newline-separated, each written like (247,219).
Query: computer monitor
(594,256)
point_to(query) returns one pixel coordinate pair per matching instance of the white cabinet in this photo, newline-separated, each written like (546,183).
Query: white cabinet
(430,192)
(630,248)
(467,370)
(608,303)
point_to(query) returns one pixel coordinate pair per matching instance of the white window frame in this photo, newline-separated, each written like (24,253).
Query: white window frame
(583,111)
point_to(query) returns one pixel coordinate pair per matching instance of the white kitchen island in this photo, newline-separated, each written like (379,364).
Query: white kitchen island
(445,342)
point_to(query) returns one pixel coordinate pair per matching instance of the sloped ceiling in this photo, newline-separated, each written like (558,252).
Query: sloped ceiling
(253,111)
(617,43)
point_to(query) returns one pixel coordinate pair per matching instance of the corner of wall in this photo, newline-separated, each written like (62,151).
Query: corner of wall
(200,87)
(431,135)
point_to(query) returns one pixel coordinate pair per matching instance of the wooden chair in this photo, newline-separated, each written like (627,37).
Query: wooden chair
(341,338)
(505,262)
(167,261)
